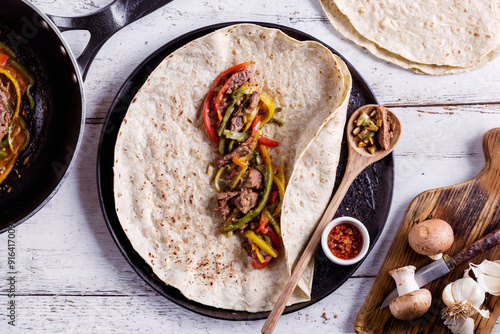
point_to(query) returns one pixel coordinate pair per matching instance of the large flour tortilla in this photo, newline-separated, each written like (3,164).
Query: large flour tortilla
(433,37)
(163,194)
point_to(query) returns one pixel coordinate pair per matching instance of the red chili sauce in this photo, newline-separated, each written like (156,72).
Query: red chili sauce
(345,241)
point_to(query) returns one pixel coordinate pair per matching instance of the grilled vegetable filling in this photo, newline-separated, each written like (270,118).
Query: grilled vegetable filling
(16,83)
(251,188)
(374,131)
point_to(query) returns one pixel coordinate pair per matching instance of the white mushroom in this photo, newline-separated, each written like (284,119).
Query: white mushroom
(431,237)
(412,302)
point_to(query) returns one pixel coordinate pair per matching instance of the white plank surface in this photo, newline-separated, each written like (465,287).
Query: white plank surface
(73,279)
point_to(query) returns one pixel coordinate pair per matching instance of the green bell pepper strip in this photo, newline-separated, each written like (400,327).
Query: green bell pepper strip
(231,145)
(217,178)
(249,216)
(222,145)
(7,50)
(28,134)
(3,154)
(273,221)
(236,95)
(238,136)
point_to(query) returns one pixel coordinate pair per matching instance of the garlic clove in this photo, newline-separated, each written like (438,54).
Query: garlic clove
(488,275)
(447,295)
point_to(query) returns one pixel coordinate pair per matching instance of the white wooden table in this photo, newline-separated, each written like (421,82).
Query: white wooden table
(72,278)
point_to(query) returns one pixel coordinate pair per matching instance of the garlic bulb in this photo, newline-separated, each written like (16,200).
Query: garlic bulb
(488,275)
(460,325)
(464,289)
(463,299)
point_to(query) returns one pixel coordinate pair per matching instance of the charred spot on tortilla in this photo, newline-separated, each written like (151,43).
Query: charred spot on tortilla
(16,100)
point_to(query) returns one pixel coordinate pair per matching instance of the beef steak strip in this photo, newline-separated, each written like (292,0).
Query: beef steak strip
(237,124)
(222,203)
(253,180)
(240,151)
(383,133)
(246,200)
(4,117)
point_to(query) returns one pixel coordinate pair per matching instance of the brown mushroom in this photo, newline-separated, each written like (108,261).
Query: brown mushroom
(412,302)
(431,237)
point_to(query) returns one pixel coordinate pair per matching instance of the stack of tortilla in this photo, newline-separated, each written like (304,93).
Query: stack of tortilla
(432,37)
(163,183)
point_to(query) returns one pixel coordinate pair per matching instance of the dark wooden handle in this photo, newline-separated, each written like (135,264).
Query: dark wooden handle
(480,246)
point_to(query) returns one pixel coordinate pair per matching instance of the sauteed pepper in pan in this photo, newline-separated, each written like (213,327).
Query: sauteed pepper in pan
(251,189)
(15,82)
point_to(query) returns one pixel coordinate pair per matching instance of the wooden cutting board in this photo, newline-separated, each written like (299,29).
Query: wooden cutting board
(472,208)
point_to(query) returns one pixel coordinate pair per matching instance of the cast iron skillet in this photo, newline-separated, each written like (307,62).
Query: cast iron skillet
(56,123)
(368,199)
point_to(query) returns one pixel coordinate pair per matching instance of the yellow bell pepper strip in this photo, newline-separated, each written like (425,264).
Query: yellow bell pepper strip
(235,96)
(269,109)
(279,180)
(265,155)
(240,162)
(258,253)
(8,168)
(261,243)
(249,216)
(18,91)
(20,68)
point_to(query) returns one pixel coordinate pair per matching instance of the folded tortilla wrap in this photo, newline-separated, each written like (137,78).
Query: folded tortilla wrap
(165,198)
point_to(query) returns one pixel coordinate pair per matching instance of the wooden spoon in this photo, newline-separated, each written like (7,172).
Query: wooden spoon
(358,160)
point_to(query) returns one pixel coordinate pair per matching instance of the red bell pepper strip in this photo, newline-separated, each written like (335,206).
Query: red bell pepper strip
(255,129)
(222,90)
(263,223)
(275,239)
(273,196)
(206,118)
(257,264)
(267,142)
(206,104)
(3,59)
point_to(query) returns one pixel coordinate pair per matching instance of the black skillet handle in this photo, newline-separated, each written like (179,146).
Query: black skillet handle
(103,23)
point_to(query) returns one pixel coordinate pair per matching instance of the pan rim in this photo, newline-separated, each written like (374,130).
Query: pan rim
(79,82)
